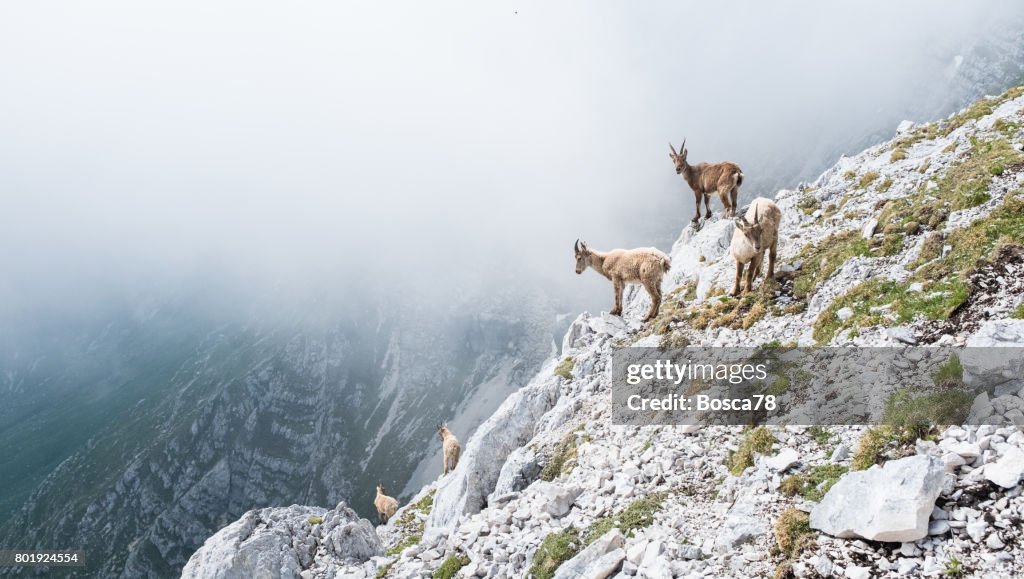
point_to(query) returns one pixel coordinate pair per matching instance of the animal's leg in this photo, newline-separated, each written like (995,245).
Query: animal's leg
(771,259)
(733,198)
(617,309)
(654,290)
(723,194)
(753,272)
(696,202)
(739,276)
(707,206)
(444,463)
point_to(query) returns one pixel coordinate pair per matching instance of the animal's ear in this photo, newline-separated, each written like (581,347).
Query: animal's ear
(583,247)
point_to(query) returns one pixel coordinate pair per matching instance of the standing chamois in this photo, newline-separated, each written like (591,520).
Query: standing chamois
(450,447)
(644,266)
(386,506)
(755,233)
(706,179)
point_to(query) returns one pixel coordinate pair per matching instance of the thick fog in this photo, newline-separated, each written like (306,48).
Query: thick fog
(407,146)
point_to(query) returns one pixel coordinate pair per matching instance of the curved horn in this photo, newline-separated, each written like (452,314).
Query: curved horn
(682,148)
(673,149)
(577,246)
(756,207)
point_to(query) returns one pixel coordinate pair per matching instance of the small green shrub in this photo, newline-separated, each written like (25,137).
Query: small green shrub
(451,566)
(315,520)
(820,434)
(555,549)
(563,459)
(922,412)
(873,444)
(405,543)
(1018,313)
(949,374)
(758,440)
(814,483)
(793,532)
(638,515)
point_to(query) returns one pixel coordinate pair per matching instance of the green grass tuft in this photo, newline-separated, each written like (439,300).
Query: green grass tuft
(638,515)
(451,566)
(876,442)
(564,368)
(563,459)
(793,532)
(822,260)
(814,483)
(820,434)
(555,549)
(758,440)
(315,520)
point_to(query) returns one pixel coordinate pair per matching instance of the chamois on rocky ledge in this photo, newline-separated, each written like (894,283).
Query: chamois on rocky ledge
(450,447)
(644,266)
(756,232)
(386,506)
(723,179)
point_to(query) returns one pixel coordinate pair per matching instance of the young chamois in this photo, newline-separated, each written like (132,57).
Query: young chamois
(756,232)
(644,266)
(386,506)
(723,179)
(450,447)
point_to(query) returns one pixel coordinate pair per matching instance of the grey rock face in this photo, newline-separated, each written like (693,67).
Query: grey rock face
(465,489)
(520,469)
(888,503)
(282,542)
(740,526)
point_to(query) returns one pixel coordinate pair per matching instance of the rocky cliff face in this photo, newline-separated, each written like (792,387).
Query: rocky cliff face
(197,423)
(913,241)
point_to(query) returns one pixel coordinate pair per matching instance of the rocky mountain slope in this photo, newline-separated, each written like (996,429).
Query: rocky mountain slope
(913,241)
(177,424)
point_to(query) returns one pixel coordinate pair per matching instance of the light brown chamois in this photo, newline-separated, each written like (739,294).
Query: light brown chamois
(450,447)
(723,179)
(386,506)
(644,266)
(755,233)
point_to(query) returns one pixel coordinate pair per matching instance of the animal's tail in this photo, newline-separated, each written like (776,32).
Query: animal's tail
(666,263)
(739,178)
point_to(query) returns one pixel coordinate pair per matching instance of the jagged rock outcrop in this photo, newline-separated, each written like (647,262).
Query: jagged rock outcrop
(464,491)
(283,543)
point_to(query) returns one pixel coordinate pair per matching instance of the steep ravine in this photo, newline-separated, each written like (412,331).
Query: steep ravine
(913,241)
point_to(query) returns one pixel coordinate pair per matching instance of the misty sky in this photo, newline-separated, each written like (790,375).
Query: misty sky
(310,141)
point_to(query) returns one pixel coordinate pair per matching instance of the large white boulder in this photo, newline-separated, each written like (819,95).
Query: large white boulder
(281,542)
(1009,469)
(892,502)
(554,499)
